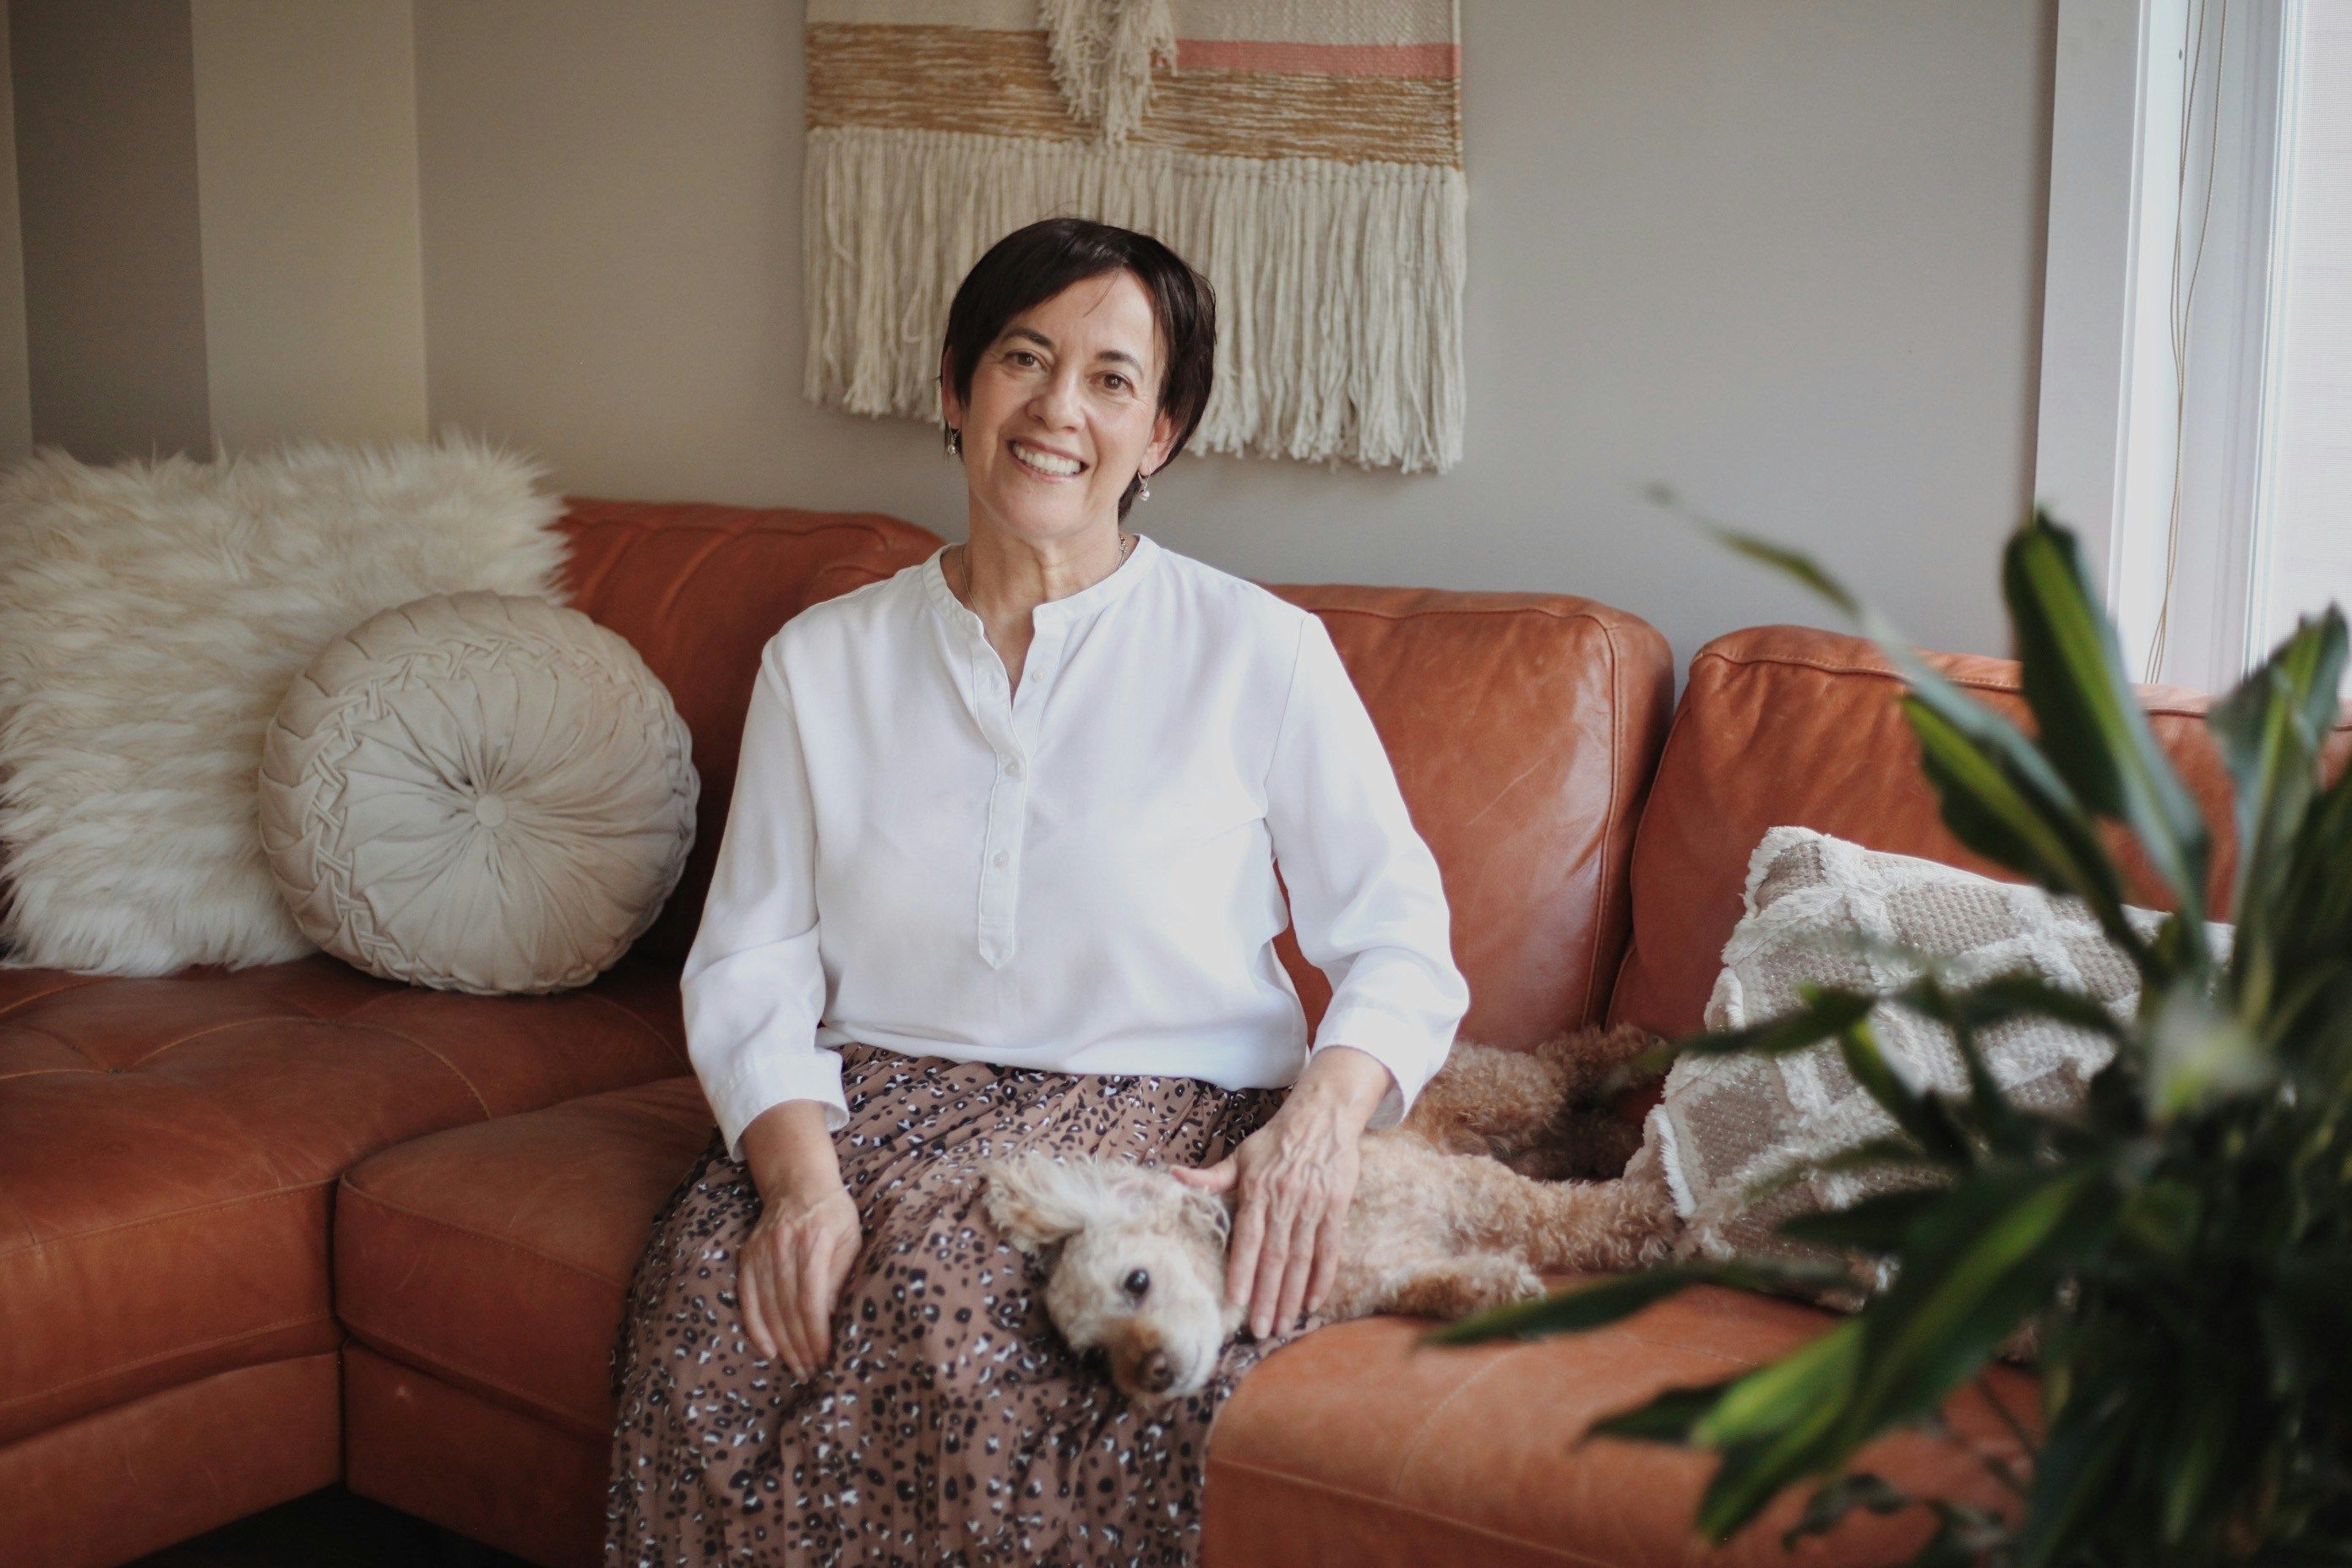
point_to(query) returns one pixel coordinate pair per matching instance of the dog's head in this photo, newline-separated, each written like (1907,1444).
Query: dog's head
(1138,1265)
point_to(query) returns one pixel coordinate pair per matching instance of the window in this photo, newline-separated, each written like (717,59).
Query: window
(2302,558)
(2196,424)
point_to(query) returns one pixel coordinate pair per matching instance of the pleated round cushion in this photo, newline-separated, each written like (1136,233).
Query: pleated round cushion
(477,791)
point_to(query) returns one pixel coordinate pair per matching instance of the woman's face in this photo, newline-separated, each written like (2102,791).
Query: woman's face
(1072,380)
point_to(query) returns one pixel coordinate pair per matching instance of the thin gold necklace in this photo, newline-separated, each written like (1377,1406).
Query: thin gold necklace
(963,568)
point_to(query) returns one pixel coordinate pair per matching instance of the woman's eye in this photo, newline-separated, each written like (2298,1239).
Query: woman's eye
(1021,355)
(1120,380)
(1137,1283)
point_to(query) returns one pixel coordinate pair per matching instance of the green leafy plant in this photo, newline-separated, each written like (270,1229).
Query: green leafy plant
(2182,1245)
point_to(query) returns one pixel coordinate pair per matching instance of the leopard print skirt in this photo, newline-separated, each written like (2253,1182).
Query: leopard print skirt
(952,1424)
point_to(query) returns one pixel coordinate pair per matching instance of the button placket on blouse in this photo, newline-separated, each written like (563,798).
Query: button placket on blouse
(1009,720)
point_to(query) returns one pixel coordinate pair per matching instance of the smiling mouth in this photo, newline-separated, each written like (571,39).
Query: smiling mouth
(1048,475)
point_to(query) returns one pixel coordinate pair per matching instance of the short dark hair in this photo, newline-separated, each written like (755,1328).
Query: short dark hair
(1032,264)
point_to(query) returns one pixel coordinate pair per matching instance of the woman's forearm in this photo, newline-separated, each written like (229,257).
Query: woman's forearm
(789,1151)
(1343,1081)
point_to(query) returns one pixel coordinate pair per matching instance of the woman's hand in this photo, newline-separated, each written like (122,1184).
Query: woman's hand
(1294,1179)
(789,1273)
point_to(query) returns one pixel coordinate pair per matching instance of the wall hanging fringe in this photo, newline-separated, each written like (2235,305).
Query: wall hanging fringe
(1306,157)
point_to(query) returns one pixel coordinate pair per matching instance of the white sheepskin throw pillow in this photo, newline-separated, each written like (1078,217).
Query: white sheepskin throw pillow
(152,615)
(479,792)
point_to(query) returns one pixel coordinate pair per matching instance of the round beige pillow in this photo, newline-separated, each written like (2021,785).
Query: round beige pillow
(477,791)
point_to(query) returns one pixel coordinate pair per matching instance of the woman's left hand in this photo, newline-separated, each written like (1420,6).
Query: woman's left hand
(1294,1179)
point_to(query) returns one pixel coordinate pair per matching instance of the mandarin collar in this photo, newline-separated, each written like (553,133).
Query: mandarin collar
(1069,608)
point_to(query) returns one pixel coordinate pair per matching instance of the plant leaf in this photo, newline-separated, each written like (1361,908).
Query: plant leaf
(1618,1297)
(1668,1418)
(1973,1270)
(2092,726)
(1925,1117)
(1822,1012)
(2270,730)
(1875,1225)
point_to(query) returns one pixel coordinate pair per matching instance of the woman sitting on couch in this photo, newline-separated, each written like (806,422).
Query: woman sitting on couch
(1000,873)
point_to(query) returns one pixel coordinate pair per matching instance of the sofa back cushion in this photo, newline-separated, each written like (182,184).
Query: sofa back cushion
(1789,726)
(699,589)
(1523,727)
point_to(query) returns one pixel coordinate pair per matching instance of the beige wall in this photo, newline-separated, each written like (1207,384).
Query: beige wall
(1783,256)
(106,159)
(306,144)
(15,378)
(219,225)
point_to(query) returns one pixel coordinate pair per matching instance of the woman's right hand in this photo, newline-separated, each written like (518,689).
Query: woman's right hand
(789,1274)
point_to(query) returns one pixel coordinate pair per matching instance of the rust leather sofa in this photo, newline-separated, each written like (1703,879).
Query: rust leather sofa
(268,1229)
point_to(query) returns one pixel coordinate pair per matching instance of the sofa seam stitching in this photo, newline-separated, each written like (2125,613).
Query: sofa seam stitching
(659,1039)
(14,1400)
(43,995)
(357,1023)
(393,1207)
(1973,682)
(1429,1417)
(209,1029)
(40,1242)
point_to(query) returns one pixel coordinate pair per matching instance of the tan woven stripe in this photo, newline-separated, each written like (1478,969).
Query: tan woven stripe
(1002,84)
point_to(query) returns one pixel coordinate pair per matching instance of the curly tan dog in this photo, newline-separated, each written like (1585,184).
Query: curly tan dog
(1441,1225)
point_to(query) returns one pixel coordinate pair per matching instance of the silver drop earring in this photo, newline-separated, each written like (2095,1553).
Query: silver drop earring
(1145,480)
(955,442)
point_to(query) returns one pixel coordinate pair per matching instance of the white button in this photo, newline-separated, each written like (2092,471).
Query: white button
(1013,768)
(1002,857)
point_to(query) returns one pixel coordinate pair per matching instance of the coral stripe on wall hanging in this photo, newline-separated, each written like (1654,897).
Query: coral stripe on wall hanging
(1305,154)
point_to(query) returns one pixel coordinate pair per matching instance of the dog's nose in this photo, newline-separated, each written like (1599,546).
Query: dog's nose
(1156,1372)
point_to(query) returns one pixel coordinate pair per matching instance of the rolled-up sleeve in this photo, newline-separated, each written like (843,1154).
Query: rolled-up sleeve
(753,985)
(1365,897)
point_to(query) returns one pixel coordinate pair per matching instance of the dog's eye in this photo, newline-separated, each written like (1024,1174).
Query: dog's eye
(1137,1283)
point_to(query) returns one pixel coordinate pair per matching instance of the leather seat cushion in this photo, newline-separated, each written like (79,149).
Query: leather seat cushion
(497,1257)
(169,1148)
(1354,1444)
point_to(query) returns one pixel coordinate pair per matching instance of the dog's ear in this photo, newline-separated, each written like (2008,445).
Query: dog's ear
(1037,1200)
(1212,1213)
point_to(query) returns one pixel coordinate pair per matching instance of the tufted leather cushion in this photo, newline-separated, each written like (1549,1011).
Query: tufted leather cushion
(168,1149)
(477,791)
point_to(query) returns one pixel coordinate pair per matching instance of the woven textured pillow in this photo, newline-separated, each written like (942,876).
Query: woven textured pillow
(1726,1123)
(477,791)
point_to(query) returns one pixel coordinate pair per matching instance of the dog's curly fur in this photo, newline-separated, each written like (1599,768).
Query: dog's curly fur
(1456,1210)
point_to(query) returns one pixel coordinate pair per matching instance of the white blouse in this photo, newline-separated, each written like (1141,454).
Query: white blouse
(1078,875)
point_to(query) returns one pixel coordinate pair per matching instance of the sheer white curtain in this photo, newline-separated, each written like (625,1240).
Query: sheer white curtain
(2304,552)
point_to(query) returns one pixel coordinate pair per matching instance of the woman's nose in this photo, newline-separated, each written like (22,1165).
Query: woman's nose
(1058,400)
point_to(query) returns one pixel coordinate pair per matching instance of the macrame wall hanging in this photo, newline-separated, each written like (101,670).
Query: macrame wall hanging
(1305,154)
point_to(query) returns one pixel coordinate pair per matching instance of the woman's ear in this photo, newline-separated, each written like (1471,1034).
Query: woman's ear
(1164,436)
(950,411)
